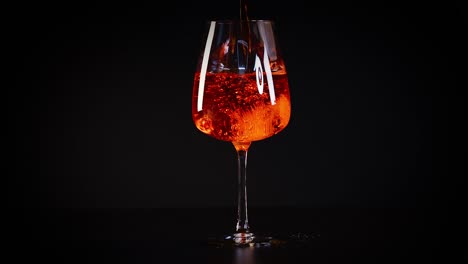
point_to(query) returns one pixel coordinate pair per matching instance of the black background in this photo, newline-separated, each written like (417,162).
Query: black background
(100,109)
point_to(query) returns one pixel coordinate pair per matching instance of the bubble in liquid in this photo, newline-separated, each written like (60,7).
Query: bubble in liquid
(205,125)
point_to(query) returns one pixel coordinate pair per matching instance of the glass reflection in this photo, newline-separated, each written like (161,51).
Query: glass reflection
(244,255)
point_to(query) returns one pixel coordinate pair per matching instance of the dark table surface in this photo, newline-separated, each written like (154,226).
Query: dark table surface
(327,235)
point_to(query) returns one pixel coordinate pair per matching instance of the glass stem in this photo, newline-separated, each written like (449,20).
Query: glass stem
(242,216)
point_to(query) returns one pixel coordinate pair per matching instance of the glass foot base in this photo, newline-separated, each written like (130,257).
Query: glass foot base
(261,240)
(241,238)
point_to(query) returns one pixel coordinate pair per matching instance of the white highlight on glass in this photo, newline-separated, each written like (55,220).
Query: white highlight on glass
(266,32)
(271,88)
(204,66)
(259,75)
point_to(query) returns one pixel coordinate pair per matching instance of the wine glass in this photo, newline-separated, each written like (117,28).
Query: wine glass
(241,95)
